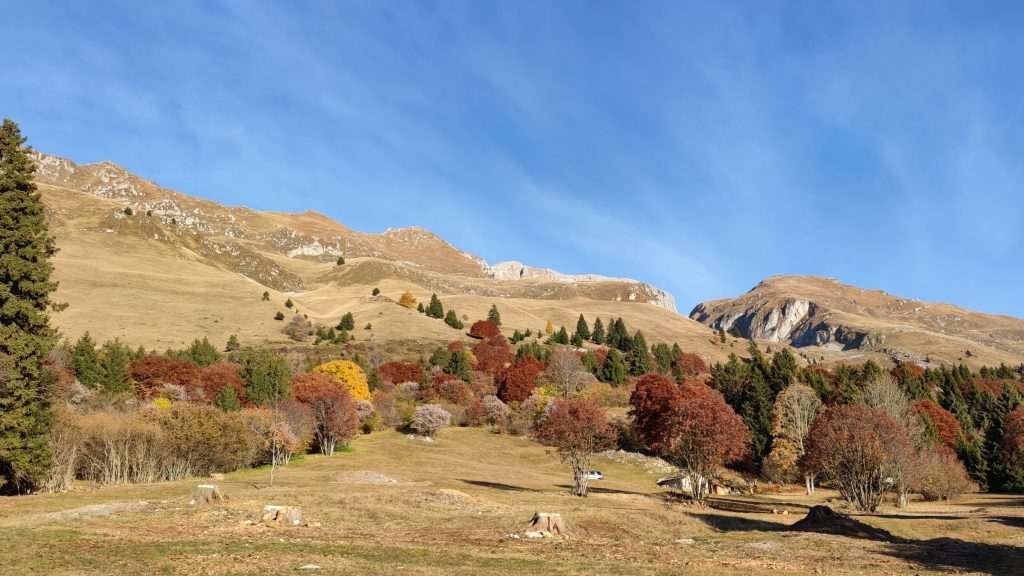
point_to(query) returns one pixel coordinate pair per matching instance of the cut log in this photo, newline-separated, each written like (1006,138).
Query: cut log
(552,524)
(287,515)
(207,493)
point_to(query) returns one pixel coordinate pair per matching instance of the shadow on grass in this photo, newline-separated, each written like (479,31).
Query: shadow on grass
(498,486)
(600,490)
(944,554)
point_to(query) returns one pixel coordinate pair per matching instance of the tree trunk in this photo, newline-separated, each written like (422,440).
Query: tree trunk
(809,484)
(207,493)
(552,524)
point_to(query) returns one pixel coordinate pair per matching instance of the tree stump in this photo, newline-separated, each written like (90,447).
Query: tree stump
(550,524)
(207,493)
(287,515)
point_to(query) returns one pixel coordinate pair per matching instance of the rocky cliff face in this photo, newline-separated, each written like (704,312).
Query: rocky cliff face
(805,311)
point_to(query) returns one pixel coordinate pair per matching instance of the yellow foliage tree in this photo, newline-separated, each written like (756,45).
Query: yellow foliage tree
(550,328)
(349,375)
(407,300)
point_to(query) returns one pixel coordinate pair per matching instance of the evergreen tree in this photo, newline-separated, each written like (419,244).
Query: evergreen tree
(639,362)
(202,352)
(227,400)
(114,359)
(576,340)
(347,322)
(517,336)
(26,337)
(288,303)
(232,344)
(663,357)
(435,309)
(340,261)
(614,371)
(266,375)
(86,362)
(590,363)
(756,409)
(618,336)
(598,335)
(452,319)
(266,296)
(279,315)
(560,337)
(458,365)
(493,315)
(420,308)
(375,292)
(783,371)
(582,329)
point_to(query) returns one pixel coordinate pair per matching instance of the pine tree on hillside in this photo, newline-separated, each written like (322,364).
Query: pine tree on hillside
(114,358)
(26,337)
(493,315)
(560,337)
(232,344)
(227,400)
(86,362)
(435,309)
(582,329)
(266,296)
(576,340)
(598,335)
(348,322)
(420,308)
(288,303)
(202,352)
(639,362)
(614,370)
(452,319)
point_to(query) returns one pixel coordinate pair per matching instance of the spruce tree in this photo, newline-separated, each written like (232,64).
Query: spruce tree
(452,319)
(86,362)
(614,371)
(288,303)
(266,375)
(227,400)
(663,357)
(420,308)
(202,352)
(340,261)
(493,315)
(598,335)
(458,365)
(560,337)
(582,329)
(26,337)
(639,362)
(114,358)
(435,309)
(232,344)
(576,340)
(347,322)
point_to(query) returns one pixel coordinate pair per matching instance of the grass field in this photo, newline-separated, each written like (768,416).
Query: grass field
(395,505)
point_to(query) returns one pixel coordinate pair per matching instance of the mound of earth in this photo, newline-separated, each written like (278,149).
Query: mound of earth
(824,520)
(364,477)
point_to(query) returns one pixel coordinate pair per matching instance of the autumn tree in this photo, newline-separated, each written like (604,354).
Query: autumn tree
(517,381)
(939,420)
(691,426)
(857,449)
(567,373)
(688,364)
(484,329)
(399,372)
(549,328)
(493,315)
(577,428)
(407,300)
(796,407)
(348,374)
(26,337)
(158,376)
(334,410)
(492,354)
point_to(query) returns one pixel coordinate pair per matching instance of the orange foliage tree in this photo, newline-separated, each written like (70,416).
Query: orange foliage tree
(484,329)
(517,381)
(492,354)
(578,428)
(153,374)
(348,374)
(399,372)
(334,411)
(943,421)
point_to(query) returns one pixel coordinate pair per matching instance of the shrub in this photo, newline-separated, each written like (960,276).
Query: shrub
(454,392)
(347,322)
(397,372)
(475,414)
(266,296)
(340,261)
(496,411)
(348,374)
(298,329)
(288,303)
(376,292)
(279,315)
(939,475)
(608,396)
(484,329)
(407,300)
(199,440)
(271,438)
(429,419)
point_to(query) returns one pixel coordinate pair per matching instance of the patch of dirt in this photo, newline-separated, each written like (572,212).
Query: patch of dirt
(365,477)
(108,509)
(445,498)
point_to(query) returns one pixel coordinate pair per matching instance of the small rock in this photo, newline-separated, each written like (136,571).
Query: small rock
(686,541)
(309,567)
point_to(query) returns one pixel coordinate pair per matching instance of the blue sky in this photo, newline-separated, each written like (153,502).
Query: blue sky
(698,146)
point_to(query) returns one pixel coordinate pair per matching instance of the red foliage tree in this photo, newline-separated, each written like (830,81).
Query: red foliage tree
(492,354)
(484,329)
(220,375)
(578,428)
(691,426)
(453,346)
(944,422)
(153,374)
(518,380)
(600,355)
(334,411)
(857,449)
(688,363)
(399,372)
(1013,435)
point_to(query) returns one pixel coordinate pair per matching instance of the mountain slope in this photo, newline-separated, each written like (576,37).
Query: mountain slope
(178,267)
(822,315)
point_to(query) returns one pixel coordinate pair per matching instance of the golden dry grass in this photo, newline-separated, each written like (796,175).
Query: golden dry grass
(451,508)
